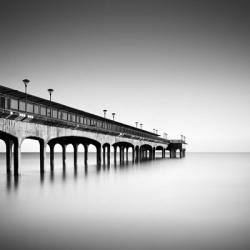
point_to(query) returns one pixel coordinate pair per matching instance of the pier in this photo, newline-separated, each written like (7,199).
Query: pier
(24,116)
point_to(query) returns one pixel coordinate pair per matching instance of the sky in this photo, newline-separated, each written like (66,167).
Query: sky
(182,67)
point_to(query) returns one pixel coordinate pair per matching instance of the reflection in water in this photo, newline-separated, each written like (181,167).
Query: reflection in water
(200,202)
(11,182)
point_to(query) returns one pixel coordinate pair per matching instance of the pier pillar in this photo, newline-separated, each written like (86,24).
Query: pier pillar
(133,154)
(115,152)
(104,154)
(108,156)
(64,153)
(75,146)
(86,149)
(42,156)
(98,155)
(52,156)
(17,158)
(9,145)
(126,154)
(153,153)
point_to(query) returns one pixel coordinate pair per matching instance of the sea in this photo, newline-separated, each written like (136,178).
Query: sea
(200,202)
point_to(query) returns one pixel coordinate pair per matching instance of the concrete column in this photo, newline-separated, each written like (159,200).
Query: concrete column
(108,156)
(104,154)
(63,153)
(9,144)
(42,156)
(153,154)
(98,155)
(126,154)
(115,152)
(86,149)
(139,154)
(75,146)
(17,158)
(121,154)
(52,156)
(133,154)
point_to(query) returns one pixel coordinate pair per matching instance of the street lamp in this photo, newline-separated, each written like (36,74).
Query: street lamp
(156,131)
(136,124)
(26,81)
(50,93)
(141,125)
(113,114)
(104,112)
(153,130)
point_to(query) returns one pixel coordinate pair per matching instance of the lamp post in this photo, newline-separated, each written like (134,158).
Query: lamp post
(136,124)
(104,112)
(141,125)
(156,131)
(153,130)
(113,114)
(50,93)
(26,81)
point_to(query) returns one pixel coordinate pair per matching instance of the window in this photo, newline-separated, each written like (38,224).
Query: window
(73,118)
(43,111)
(2,102)
(13,104)
(36,109)
(22,106)
(64,115)
(29,108)
(54,113)
(88,121)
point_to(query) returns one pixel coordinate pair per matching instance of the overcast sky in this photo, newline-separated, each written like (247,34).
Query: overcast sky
(182,67)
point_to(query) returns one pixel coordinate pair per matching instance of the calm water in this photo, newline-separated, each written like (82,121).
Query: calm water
(200,202)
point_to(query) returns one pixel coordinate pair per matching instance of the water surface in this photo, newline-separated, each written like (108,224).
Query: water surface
(200,202)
